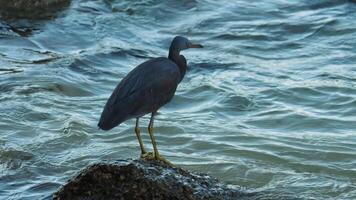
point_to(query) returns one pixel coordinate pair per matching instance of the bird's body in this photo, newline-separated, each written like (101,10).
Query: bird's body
(140,92)
(145,89)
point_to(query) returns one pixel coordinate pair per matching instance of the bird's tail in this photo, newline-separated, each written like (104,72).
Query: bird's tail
(111,117)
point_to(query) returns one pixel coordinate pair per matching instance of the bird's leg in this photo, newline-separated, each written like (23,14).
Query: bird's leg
(153,140)
(137,131)
(150,131)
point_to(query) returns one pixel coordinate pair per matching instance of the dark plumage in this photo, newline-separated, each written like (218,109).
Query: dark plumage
(141,92)
(146,88)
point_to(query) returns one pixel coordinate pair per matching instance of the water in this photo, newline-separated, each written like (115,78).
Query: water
(269,104)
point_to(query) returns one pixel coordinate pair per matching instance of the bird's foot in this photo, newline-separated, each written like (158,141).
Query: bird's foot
(147,155)
(163,159)
(152,156)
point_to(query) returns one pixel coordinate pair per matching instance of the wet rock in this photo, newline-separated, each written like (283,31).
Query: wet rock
(152,180)
(31,8)
(142,179)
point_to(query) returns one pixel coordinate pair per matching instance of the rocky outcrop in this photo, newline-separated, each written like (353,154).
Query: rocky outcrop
(143,179)
(31,8)
(153,180)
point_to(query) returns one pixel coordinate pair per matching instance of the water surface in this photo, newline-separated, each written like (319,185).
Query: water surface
(269,104)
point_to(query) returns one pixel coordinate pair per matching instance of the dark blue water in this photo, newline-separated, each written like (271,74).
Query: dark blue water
(269,104)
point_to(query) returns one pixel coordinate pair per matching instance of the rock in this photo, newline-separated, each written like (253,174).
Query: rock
(153,180)
(143,179)
(31,8)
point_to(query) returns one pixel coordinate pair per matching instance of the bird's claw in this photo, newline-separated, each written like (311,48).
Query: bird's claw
(152,156)
(147,155)
(164,160)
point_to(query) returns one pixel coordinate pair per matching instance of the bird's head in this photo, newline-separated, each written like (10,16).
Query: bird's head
(180,43)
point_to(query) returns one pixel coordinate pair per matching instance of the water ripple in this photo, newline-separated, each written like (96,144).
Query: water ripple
(268,104)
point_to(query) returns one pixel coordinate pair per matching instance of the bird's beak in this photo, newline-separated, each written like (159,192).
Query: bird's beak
(192,45)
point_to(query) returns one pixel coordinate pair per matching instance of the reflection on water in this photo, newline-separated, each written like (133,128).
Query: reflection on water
(268,104)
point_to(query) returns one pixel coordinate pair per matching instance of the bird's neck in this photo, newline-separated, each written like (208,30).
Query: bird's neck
(173,54)
(179,60)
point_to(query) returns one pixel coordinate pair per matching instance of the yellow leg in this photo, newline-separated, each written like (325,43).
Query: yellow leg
(137,131)
(153,140)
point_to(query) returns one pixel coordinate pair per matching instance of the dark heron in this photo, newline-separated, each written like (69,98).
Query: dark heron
(145,89)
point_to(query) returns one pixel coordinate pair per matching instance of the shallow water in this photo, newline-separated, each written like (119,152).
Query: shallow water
(269,104)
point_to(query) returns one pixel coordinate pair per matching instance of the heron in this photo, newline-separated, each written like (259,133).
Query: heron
(144,90)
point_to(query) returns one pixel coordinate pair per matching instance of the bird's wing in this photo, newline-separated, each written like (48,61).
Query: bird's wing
(157,78)
(155,72)
(145,89)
